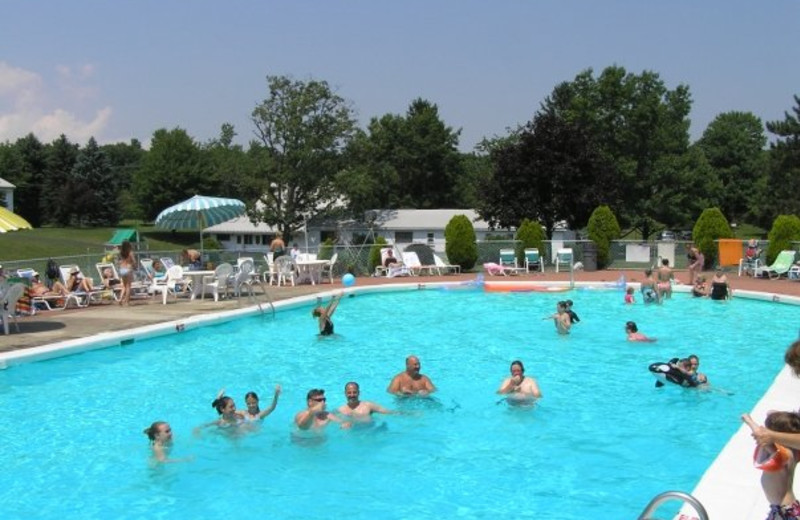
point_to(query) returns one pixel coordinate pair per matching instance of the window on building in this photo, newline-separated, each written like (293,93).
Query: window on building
(430,238)
(223,238)
(238,239)
(248,240)
(403,237)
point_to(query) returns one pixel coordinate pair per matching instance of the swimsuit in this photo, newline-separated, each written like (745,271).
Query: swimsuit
(123,271)
(719,290)
(328,329)
(779,512)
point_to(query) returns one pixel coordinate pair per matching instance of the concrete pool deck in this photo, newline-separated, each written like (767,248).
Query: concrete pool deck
(729,489)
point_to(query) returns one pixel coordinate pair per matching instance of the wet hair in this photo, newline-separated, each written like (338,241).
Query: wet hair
(792,357)
(518,362)
(248,395)
(153,430)
(630,289)
(317,312)
(569,303)
(352,383)
(220,403)
(665,261)
(314,392)
(631,326)
(648,272)
(693,356)
(786,422)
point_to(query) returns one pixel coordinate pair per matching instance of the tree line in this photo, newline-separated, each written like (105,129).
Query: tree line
(616,139)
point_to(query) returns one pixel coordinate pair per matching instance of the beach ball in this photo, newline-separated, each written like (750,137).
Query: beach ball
(348,280)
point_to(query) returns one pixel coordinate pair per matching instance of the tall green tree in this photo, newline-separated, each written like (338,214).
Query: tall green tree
(784,170)
(124,160)
(172,170)
(734,146)
(61,158)
(636,121)
(407,161)
(302,129)
(94,195)
(24,167)
(231,168)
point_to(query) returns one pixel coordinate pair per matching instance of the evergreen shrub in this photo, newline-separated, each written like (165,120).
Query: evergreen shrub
(785,230)
(712,225)
(460,246)
(602,229)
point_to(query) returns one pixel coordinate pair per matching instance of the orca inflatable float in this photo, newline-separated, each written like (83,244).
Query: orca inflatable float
(665,372)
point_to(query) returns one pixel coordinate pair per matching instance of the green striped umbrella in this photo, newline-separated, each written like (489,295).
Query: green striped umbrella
(200,212)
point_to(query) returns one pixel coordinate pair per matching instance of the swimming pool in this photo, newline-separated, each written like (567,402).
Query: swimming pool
(602,439)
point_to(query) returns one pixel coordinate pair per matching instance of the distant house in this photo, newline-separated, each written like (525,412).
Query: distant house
(399,226)
(7,194)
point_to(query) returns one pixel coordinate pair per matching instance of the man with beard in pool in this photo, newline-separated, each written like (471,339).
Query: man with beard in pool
(411,382)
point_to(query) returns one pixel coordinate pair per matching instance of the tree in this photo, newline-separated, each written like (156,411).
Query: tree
(94,194)
(734,146)
(57,205)
(231,170)
(173,170)
(551,171)
(406,161)
(124,160)
(302,128)
(710,227)
(460,246)
(636,122)
(785,230)
(603,228)
(784,171)
(24,166)
(530,235)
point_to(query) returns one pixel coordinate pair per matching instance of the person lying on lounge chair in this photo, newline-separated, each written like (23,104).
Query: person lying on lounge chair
(109,280)
(39,289)
(78,282)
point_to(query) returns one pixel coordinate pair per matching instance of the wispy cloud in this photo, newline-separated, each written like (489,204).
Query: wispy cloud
(31,104)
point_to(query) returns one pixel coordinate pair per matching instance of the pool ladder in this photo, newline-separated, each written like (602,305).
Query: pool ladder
(673,495)
(252,297)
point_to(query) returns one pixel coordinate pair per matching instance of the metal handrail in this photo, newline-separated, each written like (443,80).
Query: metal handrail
(673,495)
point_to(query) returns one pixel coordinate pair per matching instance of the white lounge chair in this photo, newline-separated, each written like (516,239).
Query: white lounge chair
(782,264)
(394,270)
(412,262)
(444,267)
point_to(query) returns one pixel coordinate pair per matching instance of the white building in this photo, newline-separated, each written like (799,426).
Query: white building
(7,194)
(399,226)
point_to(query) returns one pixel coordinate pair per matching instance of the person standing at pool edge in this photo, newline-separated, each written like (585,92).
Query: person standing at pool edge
(411,381)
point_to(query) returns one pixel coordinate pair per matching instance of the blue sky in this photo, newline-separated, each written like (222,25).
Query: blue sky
(121,69)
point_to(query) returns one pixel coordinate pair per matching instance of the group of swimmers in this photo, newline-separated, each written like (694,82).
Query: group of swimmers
(564,317)
(656,287)
(518,389)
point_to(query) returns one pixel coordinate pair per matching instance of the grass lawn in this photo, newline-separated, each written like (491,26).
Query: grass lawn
(53,242)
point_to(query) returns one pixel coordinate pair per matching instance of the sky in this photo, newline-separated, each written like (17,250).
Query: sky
(122,69)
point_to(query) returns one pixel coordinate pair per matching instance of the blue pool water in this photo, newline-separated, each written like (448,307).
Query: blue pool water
(601,443)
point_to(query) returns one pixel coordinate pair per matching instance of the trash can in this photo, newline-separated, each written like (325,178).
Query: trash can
(589,256)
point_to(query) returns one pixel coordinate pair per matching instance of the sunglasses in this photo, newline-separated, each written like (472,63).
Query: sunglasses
(319,399)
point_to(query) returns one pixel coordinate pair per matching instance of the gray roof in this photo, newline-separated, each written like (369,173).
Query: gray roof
(385,219)
(411,219)
(5,184)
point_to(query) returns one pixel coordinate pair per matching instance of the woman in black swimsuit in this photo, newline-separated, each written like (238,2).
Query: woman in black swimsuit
(324,315)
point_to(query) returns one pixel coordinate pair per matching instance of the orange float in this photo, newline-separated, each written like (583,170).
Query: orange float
(520,287)
(772,459)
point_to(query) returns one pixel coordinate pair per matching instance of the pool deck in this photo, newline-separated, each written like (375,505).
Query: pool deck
(729,489)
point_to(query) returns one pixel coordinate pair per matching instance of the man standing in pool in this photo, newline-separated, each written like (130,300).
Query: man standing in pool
(357,410)
(411,382)
(315,416)
(519,388)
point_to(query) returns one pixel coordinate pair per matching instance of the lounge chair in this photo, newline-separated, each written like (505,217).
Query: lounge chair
(563,259)
(80,297)
(444,267)
(395,270)
(533,260)
(411,261)
(115,288)
(50,302)
(781,265)
(508,261)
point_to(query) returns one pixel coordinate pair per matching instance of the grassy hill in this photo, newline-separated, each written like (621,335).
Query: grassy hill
(54,242)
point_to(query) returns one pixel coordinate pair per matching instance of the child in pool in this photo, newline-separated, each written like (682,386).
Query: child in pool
(629,295)
(634,335)
(253,413)
(228,416)
(160,435)
(777,478)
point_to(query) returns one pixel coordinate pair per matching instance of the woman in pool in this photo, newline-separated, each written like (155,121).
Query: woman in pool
(634,335)
(648,288)
(160,435)
(629,295)
(228,415)
(324,315)
(253,413)
(561,318)
(700,289)
(720,289)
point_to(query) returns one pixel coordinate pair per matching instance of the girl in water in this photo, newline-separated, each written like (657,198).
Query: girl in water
(228,416)
(253,412)
(324,315)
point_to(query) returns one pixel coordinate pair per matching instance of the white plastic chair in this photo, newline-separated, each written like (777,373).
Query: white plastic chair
(563,258)
(269,275)
(8,305)
(327,270)
(285,269)
(219,280)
